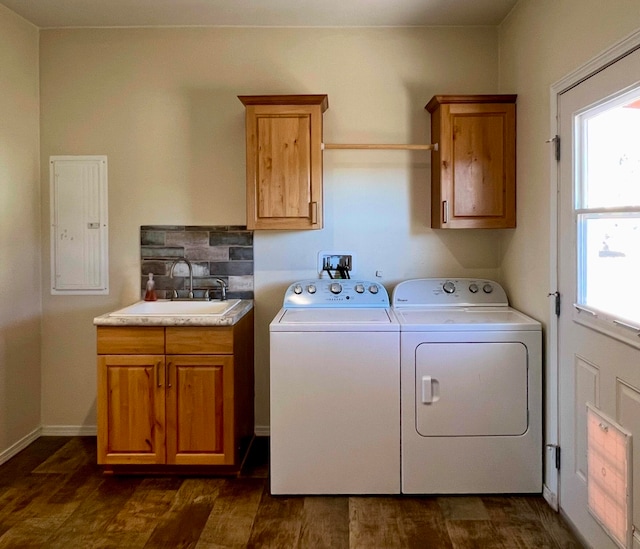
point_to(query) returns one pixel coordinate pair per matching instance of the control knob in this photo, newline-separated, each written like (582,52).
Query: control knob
(373,289)
(473,288)
(487,288)
(449,287)
(297,289)
(311,288)
(335,287)
(360,288)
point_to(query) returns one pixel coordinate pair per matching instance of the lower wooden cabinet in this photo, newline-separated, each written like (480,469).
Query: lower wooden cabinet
(166,407)
(199,400)
(131,409)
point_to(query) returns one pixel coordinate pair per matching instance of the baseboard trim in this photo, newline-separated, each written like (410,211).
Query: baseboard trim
(74,431)
(69,430)
(14,449)
(550,497)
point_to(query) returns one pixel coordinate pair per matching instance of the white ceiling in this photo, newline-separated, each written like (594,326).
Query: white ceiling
(275,13)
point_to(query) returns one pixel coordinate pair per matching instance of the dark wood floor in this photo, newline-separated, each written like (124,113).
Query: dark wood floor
(53,495)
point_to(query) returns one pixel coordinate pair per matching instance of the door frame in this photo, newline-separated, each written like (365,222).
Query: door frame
(617,51)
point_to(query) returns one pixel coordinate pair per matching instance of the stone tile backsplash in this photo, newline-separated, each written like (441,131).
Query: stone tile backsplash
(224,252)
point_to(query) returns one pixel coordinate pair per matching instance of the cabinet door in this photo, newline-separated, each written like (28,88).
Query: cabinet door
(473,173)
(131,409)
(284,163)
(200,413)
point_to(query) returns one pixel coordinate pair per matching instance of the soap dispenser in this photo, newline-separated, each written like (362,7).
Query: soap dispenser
(150,294)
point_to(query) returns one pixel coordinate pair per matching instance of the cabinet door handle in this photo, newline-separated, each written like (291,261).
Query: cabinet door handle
(168,374)
(158,376)
(314,212)
(445,211)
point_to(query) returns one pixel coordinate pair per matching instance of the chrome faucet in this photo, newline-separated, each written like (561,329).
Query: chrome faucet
(223,289)
(173,266)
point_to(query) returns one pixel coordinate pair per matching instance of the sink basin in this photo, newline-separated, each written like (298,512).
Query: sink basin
(178,308)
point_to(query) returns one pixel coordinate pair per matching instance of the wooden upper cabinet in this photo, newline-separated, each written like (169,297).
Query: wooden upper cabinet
(284,161)
(473,172)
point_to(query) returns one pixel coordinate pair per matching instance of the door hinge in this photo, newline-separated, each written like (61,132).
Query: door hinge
(556,142)
(556,454)
(556,295)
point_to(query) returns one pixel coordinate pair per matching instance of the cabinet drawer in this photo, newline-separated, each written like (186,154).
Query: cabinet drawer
(199,340)
(130,340)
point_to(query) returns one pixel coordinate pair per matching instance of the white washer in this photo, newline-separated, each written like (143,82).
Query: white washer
(335,390)
(471,369)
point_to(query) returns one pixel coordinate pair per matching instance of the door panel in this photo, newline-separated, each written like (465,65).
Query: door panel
(284,165)
(471,389)
(200,410)
(587,378)
(598,346)
(479,145)
(629,417)
(131,409)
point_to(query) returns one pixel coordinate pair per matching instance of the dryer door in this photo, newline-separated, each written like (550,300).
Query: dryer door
(471,389)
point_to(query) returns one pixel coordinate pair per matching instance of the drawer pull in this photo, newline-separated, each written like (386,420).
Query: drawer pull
(158,376)
(168,374)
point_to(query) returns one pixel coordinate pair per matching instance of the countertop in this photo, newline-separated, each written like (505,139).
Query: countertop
(228,319)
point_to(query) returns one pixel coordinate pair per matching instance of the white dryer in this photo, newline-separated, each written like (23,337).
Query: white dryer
(335,390)
(471,389)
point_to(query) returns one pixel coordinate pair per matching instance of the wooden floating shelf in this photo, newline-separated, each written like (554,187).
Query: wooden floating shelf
(431,147)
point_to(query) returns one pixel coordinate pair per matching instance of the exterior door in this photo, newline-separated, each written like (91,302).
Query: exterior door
(598,274)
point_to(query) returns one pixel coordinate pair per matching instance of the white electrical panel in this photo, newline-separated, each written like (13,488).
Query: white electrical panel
(79,229)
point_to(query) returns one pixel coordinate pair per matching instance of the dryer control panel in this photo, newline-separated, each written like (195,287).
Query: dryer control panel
(445,292)
(336,293)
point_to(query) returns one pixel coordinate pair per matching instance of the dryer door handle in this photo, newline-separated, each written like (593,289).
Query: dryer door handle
(430,392)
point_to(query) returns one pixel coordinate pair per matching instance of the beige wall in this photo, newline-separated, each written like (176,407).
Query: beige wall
(541,42)
(20,290)
(161,103)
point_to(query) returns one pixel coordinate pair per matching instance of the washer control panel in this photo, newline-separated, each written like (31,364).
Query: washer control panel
(336,293)
(444,292)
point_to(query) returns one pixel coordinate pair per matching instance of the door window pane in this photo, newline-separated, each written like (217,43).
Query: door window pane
(612,147)
(610,261)
(608,208)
